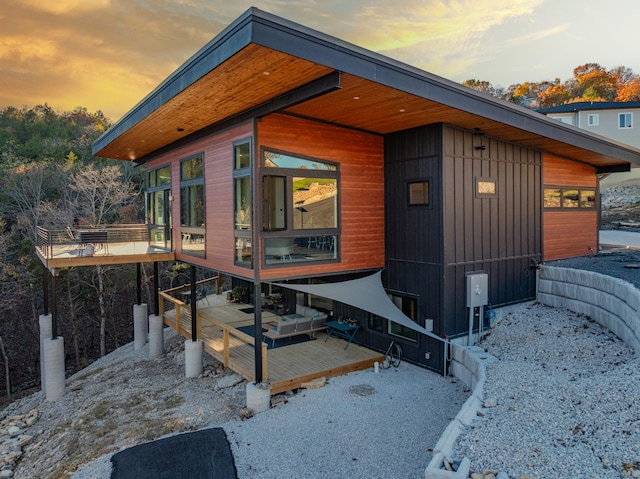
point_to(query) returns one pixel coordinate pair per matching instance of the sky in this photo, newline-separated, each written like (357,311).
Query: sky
(108,55)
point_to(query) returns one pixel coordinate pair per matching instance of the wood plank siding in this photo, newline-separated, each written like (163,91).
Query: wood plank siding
(361,210)
(569,232)
(218,171)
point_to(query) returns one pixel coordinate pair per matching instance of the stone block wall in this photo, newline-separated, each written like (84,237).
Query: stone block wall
(613,303)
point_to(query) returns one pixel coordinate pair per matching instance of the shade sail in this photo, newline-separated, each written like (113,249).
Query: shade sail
(365,293)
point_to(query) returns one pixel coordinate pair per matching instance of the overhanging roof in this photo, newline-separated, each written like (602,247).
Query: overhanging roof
(261,57)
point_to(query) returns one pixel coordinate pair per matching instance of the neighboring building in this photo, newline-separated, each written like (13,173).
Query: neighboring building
(277,153)
(615,120)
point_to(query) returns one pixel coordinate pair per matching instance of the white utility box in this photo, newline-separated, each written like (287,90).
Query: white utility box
(477,290)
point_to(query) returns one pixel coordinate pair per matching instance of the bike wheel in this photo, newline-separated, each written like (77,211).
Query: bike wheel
(386,362)
(395,355)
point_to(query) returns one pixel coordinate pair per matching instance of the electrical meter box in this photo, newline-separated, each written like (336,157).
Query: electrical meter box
(477,290)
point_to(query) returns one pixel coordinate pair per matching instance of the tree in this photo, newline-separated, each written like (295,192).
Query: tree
(554,95)
(592,82)
(629,91)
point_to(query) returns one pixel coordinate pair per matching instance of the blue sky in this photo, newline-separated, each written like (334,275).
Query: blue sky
(108,54)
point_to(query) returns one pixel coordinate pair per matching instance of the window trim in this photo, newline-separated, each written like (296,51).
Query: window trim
(486,179)
(188,231)
(243,236)
(416,181)
(595,117)
(624,115)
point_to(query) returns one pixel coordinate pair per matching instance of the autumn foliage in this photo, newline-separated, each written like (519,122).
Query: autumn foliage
(590,82)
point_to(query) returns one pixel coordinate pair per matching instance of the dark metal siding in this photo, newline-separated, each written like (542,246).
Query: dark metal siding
(414,247)
(501,235)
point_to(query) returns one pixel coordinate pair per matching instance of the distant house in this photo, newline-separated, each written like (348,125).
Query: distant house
(278,154)
(615,120)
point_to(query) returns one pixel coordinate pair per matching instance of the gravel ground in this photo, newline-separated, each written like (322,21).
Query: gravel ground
(611,262)
(567,400)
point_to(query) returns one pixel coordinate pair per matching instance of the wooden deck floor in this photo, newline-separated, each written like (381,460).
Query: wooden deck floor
(287,366)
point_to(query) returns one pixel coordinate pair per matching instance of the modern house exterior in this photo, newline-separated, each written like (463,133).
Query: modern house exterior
(280,156)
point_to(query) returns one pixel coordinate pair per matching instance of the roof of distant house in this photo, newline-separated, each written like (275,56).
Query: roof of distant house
(590,105)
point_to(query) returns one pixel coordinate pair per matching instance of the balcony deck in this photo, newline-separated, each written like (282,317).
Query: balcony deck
(285,367)
(107,245)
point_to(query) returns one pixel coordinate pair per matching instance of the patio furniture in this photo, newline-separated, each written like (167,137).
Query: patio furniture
(342,330)
(97,238)
(305,321)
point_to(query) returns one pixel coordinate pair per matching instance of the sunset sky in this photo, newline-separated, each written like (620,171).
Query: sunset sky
(108,54)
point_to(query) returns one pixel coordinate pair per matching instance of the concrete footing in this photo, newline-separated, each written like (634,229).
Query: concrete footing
(156,336)
(140,325)
(54,368)
(258,396)
(46,330)
(193,358)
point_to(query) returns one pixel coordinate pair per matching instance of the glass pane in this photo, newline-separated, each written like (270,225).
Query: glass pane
(242,156)
(158,210)
(190,169)
(274,213)
(193,241)
(279,160)
(570,199)
(152,179)
(315,203)
(243,203)
(408,307)
(587,199)
(164,176)
(419,193)
(192,205)
(243,250)
(149,208)
(300,249)
(486,187)
(551,198)
(376,323)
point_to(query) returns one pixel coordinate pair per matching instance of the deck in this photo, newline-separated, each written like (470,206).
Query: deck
(122,244)
(285,367)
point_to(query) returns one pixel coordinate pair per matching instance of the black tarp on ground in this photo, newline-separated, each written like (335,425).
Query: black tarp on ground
(202,454)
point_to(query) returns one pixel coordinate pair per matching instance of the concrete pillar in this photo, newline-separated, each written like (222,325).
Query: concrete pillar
(45,333)
(54,368)
(140,325)
(258,396)
(193,358)
(156,336)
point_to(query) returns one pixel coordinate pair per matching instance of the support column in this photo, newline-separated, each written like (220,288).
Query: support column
(156,336)
(156,289)
(140,325)
(45,333)
(54,369)
(257,330)
(193,358)
(194,307)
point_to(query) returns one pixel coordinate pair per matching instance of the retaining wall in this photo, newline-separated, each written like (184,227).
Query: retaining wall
(612,302)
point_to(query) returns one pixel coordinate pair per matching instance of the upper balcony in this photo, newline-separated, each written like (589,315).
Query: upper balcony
(99,245)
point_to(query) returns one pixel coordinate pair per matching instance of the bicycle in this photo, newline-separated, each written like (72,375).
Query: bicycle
(393,356)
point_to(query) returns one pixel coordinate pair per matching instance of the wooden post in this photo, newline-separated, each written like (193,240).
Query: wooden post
(225,347)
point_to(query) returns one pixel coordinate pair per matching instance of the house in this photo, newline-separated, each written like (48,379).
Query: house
(290,159)
(613,120)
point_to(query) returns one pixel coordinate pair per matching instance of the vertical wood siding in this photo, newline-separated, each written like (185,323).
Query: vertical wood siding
(361,159)
(569,233)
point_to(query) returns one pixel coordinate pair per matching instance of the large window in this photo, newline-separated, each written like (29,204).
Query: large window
(242,201)
(569,198)
(300,208)
(158,206)
(192,201)
(408,306)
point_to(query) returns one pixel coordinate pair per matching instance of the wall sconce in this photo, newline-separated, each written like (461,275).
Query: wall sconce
(477,132)
(481,147)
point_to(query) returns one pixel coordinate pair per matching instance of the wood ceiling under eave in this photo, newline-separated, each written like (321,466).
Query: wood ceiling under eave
(249,78)
(369,106)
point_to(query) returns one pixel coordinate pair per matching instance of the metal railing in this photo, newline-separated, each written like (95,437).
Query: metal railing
(48,241)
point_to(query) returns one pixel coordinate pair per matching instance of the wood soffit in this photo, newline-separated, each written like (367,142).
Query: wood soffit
(257,74)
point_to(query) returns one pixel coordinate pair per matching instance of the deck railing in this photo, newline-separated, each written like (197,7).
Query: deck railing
(47,240)
(227,344)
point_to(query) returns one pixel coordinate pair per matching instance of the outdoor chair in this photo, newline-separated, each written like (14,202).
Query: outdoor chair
(203,294)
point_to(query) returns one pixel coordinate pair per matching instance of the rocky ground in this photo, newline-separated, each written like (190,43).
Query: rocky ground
(119,401)
(621,207)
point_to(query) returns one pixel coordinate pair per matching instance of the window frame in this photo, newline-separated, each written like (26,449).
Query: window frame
(481,180)
(188,232)
(563,191)
(330,235)
(595,117)
(625,115)
(243,237)
(419,181)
